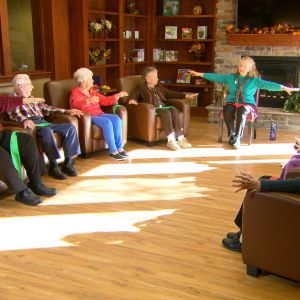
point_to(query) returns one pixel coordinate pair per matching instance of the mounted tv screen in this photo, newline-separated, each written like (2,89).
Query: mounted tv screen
(267,13)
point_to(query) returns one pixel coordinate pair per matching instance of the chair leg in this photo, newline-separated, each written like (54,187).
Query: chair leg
(253,271)
(220,131)
(250,132)
(254,129)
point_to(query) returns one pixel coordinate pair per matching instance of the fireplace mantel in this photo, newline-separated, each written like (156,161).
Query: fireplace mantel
(263,40)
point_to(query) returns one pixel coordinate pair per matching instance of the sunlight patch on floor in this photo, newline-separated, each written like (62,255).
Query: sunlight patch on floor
(226,150)
(146,169)
(105,190)
(53,230)
(248,161)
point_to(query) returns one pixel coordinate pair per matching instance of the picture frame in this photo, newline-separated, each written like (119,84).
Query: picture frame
(171,7)
(201,32)
(170,32)
(186,33)
(183,76)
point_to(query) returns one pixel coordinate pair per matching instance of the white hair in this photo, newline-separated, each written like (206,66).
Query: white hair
(20,79)
(81,75)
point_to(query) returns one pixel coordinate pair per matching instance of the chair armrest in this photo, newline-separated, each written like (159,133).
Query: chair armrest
(141,121)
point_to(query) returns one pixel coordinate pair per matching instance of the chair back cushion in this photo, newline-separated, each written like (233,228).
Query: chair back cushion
(130,83)
(57,92)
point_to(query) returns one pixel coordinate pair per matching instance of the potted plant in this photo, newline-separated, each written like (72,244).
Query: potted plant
(197,50)
(98,56)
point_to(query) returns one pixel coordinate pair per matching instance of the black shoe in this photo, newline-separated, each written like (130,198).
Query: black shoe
(56,173)
(28,197)
(117,156)
(42,190)
(124,154)
(234,235)
(232,244)
(232,139)
(69,170)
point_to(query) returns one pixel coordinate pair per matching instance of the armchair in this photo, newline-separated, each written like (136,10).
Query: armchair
(143,124)
(271,233)
(57,93)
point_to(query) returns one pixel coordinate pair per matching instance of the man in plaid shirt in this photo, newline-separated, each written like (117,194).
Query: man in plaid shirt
(32,115)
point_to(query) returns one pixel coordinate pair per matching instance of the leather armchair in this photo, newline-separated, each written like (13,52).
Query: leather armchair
(57,93)
(271,234)
(143,124)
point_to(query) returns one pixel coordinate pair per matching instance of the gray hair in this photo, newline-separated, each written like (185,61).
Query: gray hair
(20,79)
(81,75)
(148,70)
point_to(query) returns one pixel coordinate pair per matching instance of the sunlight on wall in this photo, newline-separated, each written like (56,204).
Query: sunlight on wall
(103,190)
(52,231)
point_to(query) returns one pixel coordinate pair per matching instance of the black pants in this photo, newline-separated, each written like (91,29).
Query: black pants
(170,120)
(30,159)
(240,114)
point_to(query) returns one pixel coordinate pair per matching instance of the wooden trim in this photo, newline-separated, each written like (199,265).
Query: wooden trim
(32,74)
(4,33)
(263,40)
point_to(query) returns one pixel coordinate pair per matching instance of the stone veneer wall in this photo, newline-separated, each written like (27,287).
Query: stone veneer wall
(227,58)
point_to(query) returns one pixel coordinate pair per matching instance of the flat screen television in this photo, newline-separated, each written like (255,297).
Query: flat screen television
(266,13)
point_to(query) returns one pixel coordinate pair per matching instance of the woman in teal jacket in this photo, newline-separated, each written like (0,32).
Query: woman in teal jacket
(240,101)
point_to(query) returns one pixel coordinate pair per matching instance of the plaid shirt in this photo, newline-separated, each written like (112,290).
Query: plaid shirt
(26,111)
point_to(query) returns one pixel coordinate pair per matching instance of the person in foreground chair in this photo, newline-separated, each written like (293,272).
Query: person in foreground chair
(88,100)
(27,151)
(240,101)
(233,240)
(154,93)
(32,115)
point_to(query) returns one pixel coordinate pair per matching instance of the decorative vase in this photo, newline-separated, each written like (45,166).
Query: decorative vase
(197,10)
(101,62)
(198,56)
(105,32)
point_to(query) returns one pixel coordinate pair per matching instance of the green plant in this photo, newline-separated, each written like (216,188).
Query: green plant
(292,103)
(96,55)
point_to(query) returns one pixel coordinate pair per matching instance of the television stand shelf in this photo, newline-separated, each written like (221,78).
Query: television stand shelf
(263,39)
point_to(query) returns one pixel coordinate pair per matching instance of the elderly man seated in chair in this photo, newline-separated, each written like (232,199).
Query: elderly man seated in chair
(32,115)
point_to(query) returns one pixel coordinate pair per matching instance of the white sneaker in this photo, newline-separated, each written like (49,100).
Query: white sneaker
(237,144)
(173,145)
(183,143)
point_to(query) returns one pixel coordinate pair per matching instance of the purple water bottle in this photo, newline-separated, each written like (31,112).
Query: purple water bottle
(273,131)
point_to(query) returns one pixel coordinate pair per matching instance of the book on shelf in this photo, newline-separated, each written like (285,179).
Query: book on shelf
(165,55)
(170,32)
(201,32)
(183,76)
(171,7)
(138,55)
(186,33)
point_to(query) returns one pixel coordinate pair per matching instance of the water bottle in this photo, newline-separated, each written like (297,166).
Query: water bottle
(273,131)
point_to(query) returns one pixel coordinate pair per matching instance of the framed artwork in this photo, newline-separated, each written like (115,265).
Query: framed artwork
(171,7)
(201,32)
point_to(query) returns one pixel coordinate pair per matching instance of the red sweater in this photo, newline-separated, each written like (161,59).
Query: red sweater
(9,102)
(79,100)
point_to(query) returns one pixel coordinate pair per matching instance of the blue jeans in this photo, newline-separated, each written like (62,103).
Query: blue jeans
(112,130)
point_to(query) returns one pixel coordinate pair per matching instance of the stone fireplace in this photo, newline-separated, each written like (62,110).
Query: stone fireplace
(285,70)
(280,69)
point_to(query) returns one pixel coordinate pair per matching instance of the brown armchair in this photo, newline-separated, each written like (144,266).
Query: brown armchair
(143,124)
(57,93)
(271,233)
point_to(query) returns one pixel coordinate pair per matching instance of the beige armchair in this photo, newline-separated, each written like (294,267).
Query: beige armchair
(143,124)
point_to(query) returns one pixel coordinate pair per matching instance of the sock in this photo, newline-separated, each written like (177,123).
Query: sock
(171,137)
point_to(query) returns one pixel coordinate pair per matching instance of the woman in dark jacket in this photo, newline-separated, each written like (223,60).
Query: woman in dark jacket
(154,93)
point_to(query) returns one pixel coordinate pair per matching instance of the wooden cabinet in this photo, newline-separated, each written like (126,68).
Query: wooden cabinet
(145,17)
(186,19)
(125,19)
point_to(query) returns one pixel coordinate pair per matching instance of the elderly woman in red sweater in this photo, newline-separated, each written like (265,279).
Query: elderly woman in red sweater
(88,100)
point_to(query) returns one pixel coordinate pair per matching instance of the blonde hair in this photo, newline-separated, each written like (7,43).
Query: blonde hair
(20,79)
(81,75)
(253,72)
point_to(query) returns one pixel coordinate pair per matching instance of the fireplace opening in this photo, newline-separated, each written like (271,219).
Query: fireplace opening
(279,69)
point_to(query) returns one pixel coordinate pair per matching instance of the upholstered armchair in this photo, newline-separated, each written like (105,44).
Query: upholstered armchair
(143,124)
(57,93)
(271,232)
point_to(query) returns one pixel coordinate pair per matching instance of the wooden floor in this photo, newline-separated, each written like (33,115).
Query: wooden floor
(147,228)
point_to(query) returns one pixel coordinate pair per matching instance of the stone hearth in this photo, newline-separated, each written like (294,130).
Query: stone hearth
(266,115)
